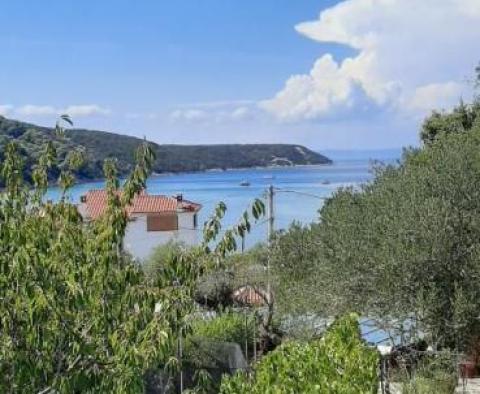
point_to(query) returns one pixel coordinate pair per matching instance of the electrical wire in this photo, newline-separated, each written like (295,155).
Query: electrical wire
(281,190)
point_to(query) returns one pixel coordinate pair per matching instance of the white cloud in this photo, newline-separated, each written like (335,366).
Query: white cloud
(216,112)
(435,96)
(408,51)
(36,110)
(241,113)
(143,115)
(75,111)
(220,104)
(5,109)
(310,96)
(189,115)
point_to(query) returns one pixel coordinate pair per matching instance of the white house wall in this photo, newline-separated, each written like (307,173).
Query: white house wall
(140,243)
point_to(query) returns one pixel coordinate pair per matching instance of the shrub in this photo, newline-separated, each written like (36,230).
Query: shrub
(160,258)
(442,384)
(338,363)
(435,374)
(228,327)
(215,290)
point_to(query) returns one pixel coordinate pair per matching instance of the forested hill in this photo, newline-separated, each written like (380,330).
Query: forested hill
(100,145)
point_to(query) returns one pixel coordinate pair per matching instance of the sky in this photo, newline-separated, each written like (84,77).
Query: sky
(329,74)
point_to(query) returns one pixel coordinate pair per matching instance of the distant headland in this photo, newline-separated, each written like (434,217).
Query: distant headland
(100,145)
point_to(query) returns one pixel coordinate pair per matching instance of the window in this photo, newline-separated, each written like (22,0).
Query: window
(162,222)
(195,221)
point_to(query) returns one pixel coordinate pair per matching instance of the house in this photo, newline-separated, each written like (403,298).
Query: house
(251,296)
(153,220)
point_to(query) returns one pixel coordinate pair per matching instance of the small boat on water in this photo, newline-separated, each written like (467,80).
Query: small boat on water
(325,182)
(245,183)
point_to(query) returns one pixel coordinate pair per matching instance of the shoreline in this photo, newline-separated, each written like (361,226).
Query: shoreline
(160,174)
(210,170)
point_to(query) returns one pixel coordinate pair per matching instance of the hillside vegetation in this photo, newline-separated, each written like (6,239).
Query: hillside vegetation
(100,145)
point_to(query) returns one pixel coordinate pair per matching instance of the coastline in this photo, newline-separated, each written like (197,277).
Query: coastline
(212,170)
(160,174)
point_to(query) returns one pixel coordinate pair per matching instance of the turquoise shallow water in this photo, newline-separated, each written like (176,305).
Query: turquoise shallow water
(306,187)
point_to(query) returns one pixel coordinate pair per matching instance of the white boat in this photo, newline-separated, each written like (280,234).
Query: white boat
(245,183)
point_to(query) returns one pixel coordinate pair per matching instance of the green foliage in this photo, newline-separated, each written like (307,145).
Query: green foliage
(242,269)
(430,374)
(404,246)
(213,227)
(160,257)
(461,119)
(99,146)
(408,243)
(435,374)
(215,290)
(294,258)
(227,327)
(214,347)
(442,384)
(76,314)
(337,363)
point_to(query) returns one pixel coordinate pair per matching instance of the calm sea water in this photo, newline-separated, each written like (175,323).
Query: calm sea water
(301,194)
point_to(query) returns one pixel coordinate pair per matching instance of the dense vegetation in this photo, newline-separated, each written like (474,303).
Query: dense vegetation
(76,314)
(70,302)
(100,145)
(404,247)
(339,363)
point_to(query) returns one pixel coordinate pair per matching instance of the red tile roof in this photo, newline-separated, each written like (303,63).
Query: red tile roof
(248,295)
(96,203)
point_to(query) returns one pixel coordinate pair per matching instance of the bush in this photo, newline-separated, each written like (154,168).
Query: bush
(443,384)
(435,374)
(215,290)
(215,347)
(228,327)
(338,363)
(160,257)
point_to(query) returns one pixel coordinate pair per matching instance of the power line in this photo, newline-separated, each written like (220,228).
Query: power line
(281,190)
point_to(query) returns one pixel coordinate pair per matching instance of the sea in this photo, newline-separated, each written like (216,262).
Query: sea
(300,191)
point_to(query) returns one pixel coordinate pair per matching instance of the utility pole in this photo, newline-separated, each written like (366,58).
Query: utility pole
(270,230)
(270,216)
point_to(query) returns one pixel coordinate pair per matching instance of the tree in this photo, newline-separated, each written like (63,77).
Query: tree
(406,246)
(294,257)
(461,119)
(75,315)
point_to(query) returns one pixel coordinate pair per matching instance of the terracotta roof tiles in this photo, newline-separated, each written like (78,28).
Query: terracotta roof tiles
(96,202)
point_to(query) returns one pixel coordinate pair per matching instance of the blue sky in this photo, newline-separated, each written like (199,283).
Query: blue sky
(215,71)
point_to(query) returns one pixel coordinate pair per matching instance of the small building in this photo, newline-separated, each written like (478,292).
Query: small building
(153,220)
(251,296)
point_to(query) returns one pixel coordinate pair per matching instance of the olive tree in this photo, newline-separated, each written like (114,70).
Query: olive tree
(407,245)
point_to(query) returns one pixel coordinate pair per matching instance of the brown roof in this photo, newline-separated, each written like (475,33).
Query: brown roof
(249,295)
(96,202)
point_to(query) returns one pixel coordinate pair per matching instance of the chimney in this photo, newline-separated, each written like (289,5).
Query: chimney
(179,197)
(83,199)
